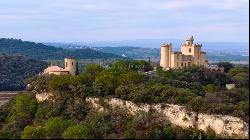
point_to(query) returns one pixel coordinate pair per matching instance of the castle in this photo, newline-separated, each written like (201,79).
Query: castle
(70,68)
(190,54)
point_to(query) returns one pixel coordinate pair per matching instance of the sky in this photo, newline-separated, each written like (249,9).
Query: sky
(114,20)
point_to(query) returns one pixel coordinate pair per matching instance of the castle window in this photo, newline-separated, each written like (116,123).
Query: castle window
(189,50)
(66,64)
(177,57)
(181,63)
(72,63)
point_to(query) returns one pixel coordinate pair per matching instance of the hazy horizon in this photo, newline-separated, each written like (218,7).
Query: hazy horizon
(72,21)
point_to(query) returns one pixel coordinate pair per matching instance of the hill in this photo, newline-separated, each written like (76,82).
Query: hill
(68,112)
(45,52)
(15,69)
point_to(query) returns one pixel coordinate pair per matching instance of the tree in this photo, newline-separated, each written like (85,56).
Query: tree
(210,133)
(92,69)
(240,76)
(105,83)
(23,111)
(129,134)
(130,78)
(210,88)
(56,126)
(197,104)
(168,132)
(78,132)
(30,132)
(227,66)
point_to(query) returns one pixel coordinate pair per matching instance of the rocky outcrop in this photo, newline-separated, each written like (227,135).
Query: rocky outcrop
(223,125)
(43,96)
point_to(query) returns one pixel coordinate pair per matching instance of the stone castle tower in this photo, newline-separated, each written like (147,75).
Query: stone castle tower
(190,54)
(70,65)
(166,50)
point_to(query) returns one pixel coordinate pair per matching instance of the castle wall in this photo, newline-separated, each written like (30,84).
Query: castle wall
(178,62)
(59,72)
(202,59)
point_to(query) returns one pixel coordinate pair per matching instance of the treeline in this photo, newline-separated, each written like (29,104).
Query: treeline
(44,52)
(15,69)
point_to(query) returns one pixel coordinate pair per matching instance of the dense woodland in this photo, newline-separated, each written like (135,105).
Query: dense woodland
(44,52)
(69,116)
(15,69)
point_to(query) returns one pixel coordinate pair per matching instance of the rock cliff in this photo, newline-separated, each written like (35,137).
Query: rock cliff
(223,125)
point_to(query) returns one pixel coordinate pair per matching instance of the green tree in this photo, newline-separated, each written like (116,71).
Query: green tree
(227,66)
(169,132)
(210,88)
(210,133)
(105,83)
(31,132)
(91,71)
(23,111)
(129,134)
(56,126)
(78,132)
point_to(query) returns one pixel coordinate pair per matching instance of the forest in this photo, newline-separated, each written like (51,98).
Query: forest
(44,52)
(14,69)
(68,115)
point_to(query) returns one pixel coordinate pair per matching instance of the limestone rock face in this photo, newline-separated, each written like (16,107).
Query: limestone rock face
(40,97)
(223,125)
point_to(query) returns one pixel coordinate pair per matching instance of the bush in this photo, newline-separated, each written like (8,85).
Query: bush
(30,132)
(168,132)
(78,132)
(56,126)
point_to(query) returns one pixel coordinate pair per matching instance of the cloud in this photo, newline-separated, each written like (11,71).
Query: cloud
(123,19)
(213,4)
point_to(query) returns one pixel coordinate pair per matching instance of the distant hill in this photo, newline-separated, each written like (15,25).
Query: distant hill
(15,69)
(155,43)
(143,48)
(45,52)
(154,54)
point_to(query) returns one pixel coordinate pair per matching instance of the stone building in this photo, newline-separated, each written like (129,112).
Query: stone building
(70,67)
(190,54)
(230,86)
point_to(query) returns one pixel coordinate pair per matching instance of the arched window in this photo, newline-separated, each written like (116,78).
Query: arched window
(72,63)
(189,50)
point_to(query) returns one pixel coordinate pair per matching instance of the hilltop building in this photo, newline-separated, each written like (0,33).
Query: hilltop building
(70,65)
(190,54)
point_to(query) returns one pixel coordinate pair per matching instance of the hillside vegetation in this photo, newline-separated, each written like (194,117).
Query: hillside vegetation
(44,52)
(67,115)
(15,69)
